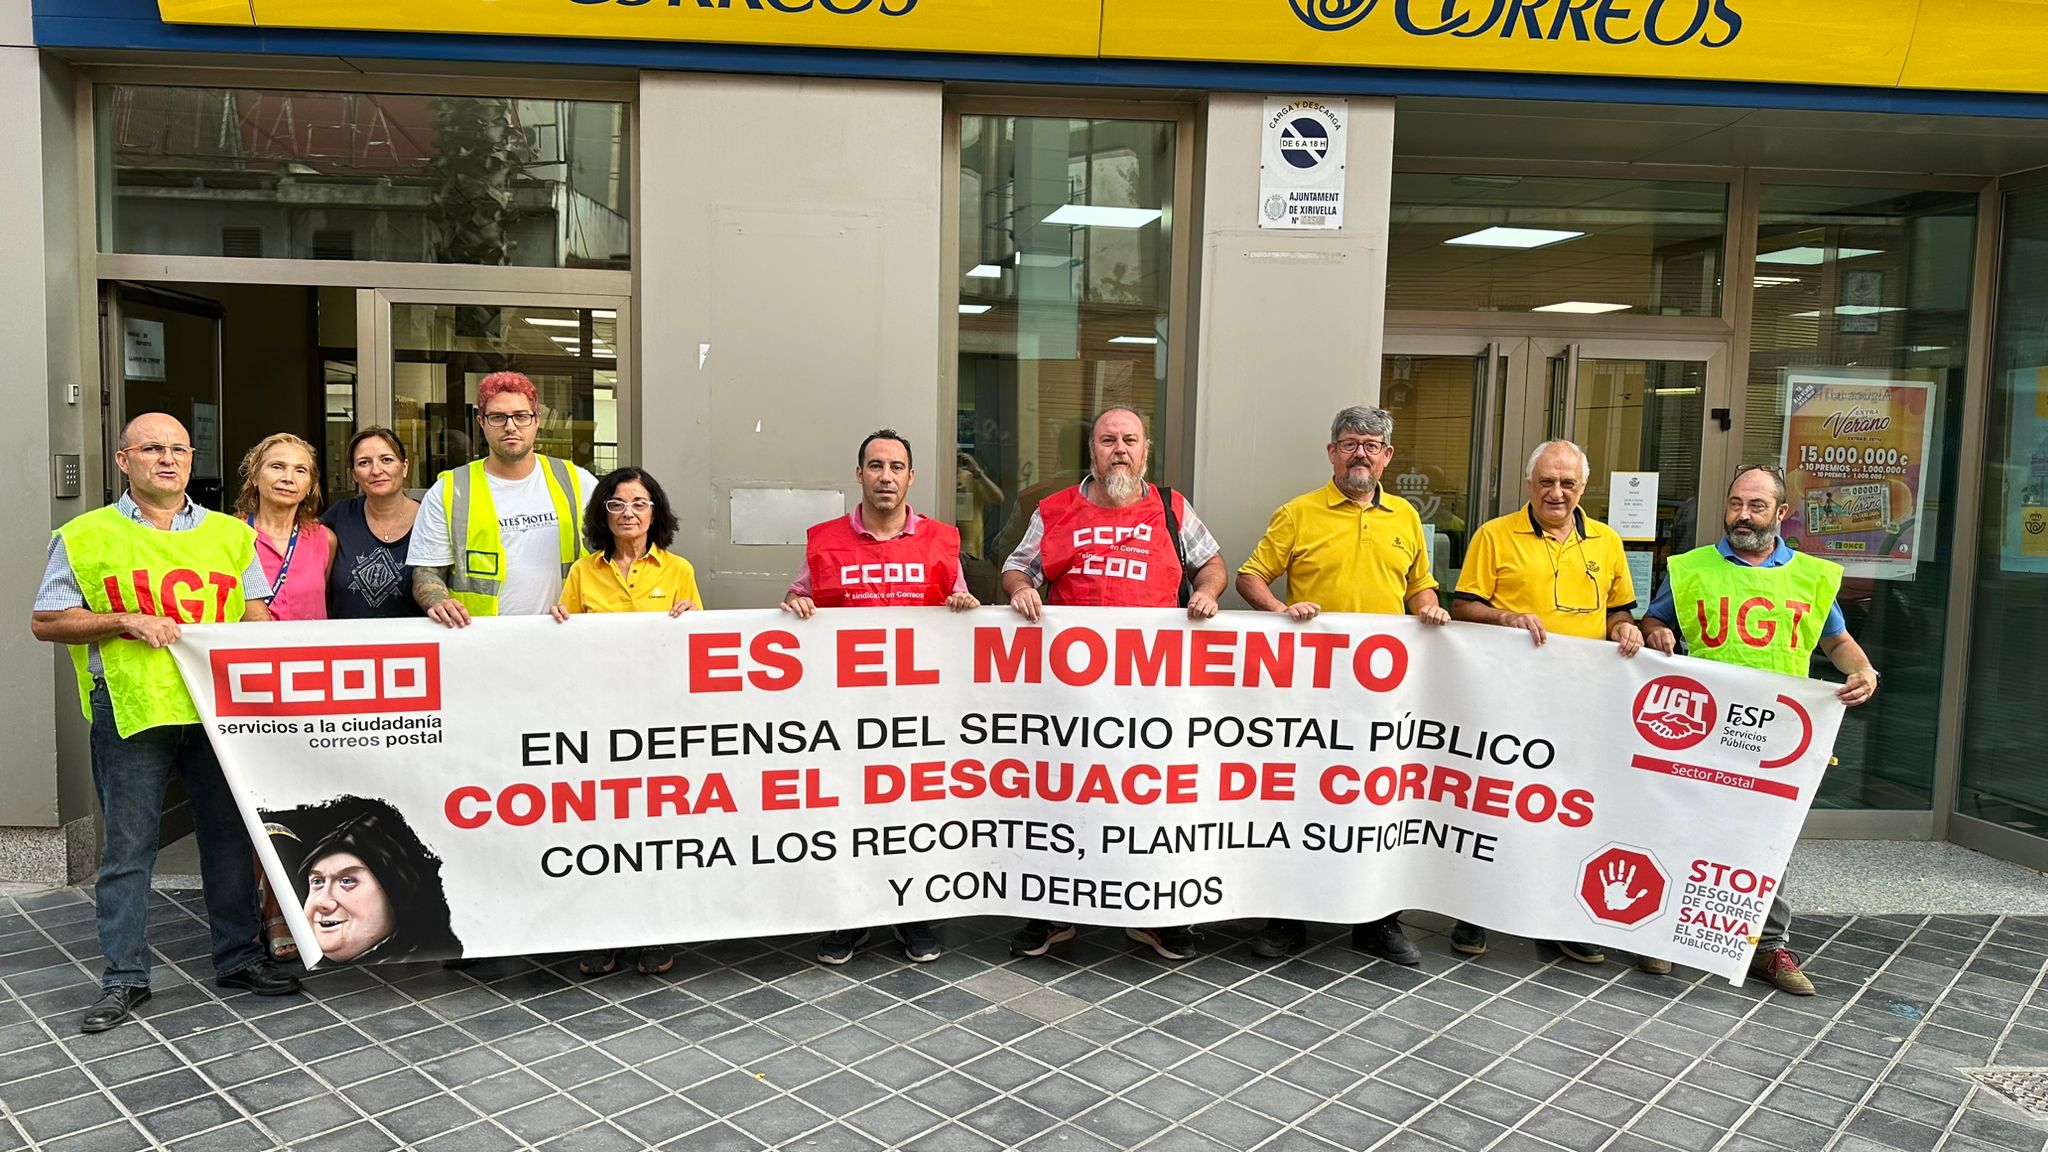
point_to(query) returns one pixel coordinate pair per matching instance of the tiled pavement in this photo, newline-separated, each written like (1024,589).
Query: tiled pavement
(750,1045)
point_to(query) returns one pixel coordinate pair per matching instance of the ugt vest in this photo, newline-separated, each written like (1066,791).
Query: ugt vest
(1767,618)
(848,570)
(1111,557)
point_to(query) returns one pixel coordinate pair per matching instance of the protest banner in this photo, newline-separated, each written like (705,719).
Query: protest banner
(1855,451)
(523,786)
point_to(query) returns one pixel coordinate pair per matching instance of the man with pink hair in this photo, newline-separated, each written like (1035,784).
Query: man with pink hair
(496,537)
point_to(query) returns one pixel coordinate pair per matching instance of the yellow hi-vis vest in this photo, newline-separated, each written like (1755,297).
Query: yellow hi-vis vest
(477,577)
(193,576)
(1767,618)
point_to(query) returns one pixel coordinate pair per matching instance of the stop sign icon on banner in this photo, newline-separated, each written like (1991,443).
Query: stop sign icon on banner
(1622,885)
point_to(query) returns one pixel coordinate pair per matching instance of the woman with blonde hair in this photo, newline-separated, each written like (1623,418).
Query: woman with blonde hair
(280,499)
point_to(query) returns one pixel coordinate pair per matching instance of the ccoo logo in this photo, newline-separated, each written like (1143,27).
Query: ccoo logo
(319,681)
(1331,15)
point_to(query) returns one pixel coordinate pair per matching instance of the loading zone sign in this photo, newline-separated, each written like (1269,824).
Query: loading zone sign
(1301,171)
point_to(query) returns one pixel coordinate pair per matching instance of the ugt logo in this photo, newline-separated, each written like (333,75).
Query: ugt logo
(1674,712)
(1331,15)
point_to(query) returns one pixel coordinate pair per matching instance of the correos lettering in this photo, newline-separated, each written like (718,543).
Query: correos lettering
(1665,23)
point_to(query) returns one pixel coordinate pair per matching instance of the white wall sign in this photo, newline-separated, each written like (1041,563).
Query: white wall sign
(1632,505)
(142,348)
(1301,169)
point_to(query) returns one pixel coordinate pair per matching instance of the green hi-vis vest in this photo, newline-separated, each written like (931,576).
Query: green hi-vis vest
(478,574)
(1767,618)
(193,576)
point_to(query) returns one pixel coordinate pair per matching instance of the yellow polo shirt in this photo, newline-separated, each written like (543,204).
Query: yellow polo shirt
(1342,557)
(1515,566)
(656,582)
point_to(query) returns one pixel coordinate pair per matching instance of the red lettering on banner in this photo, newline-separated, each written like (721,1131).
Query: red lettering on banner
(326,680)
(1019,661)
(523,804)
(1266,659)
(1719,776)
(1325,646)
(776,653)
(1211,659)
(1178,658)
(1437,784)
(712,653)
(1770,627)
(1137,664)
(860,658)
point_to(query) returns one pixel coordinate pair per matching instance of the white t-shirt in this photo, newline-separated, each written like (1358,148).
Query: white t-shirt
(526,530)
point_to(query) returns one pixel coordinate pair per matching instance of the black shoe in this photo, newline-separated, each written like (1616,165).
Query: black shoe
(837,948)
(1171,943)
(458,963)
(262,978)
(920,943)
(1384,939)
(1468,938)
(1037,937)
(1280,939)
(1583,953)
(114,1006)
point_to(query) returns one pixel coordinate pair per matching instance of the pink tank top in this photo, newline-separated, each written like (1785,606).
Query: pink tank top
(304,596)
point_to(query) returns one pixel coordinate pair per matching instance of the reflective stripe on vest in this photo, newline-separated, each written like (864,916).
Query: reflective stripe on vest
(477,578)
(192,576)
(1768,618)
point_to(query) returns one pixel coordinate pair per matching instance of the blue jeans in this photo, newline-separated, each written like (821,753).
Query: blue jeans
(130,776)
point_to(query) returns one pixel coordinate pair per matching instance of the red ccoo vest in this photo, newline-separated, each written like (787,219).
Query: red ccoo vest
(849,570)
(1115,557)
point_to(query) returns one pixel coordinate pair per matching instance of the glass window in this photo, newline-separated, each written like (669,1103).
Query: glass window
(363,176)
(1436,405)
(1066,255)
(440,351)
(1862,301)
(1642,416)
(2004,779)
(1479,243)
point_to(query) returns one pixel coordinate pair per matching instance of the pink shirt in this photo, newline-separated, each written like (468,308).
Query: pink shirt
(304,595)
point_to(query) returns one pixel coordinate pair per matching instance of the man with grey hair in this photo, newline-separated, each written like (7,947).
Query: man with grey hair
(1547,567)
(1348,546)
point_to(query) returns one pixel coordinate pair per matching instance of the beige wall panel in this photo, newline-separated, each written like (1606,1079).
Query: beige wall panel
(786,298)
(1291,322)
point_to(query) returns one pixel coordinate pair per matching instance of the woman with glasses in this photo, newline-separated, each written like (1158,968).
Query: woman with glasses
(629,527)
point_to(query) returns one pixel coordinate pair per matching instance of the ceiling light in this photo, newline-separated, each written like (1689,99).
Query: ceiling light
(974,309)
(1097,216)
(605,314)
(1583,307)
(1775,281)
(1848,310)
(1499,237)
(985,272)
(1807,254)
(1674,391)
(1134,339)
(550,322)
(567,339)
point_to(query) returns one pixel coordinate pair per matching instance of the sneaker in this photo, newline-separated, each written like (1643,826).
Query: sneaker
(1037,938)
(1468,938)
(656,959)
(1280,939)
(1583,953)
(1384,939)
(1171,943)
(919,942)
(1781,968)
(599,962)
(837,948)
(1653,966)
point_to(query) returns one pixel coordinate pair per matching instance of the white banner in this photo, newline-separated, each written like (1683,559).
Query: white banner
(524,786)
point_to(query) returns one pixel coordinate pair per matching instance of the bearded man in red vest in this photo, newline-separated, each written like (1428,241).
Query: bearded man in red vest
(1114,541)
(882,555)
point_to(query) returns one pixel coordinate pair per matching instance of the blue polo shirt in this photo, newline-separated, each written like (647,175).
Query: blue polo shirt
(1666,612)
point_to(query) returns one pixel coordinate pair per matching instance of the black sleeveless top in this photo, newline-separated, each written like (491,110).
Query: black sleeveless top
(371,580)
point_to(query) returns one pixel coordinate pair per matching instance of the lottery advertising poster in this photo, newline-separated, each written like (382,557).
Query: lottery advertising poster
(2026,475)
(1855,453)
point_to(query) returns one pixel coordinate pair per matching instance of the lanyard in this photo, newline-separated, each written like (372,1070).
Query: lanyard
(285,569)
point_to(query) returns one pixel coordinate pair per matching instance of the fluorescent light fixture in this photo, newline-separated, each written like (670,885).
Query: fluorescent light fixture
(567,339)
(605,314)
(1499,237)
(974,309)
(985,272)
(1848,310)
(1775,281)
(1097,216)
(1926,347)
(1808,255)
(1583,307)
(1134,339)
(1674,391)
(550,322)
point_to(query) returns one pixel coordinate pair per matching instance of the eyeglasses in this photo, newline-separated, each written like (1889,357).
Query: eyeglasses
(1349,447)
(623,505)
(516,419)
(1573,586)
(178,452)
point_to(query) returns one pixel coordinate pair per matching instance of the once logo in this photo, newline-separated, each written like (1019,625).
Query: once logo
(338,680)
(1622,885)
(1331,15)
(1304,142)
(1674,712)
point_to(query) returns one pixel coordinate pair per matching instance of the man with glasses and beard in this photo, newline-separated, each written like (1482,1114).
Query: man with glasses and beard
(1163,557)
(1349,546)
(1779,591)
(1548,567)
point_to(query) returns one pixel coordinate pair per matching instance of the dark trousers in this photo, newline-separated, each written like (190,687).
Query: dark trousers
(131,776)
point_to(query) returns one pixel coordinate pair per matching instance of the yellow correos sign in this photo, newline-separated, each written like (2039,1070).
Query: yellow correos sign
(1984,45)
(1029,27)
